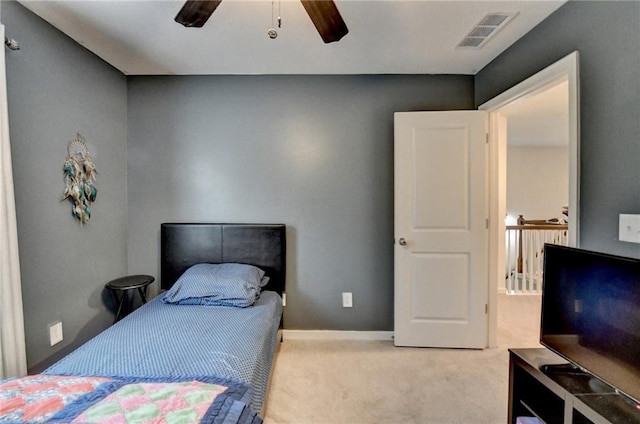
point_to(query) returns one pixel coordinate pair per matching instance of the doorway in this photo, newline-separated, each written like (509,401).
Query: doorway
(565,71)
(537,185)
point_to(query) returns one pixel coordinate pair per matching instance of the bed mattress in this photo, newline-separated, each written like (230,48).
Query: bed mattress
(187,341)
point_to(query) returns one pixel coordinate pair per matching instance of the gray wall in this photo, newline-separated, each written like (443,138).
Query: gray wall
(607,36)
(313,152)
(56,87)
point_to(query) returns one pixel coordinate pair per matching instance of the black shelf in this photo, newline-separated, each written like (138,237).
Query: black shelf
(535,397)
(545,386)
(575,380)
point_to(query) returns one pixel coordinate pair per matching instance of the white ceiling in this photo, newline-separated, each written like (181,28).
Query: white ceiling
(385,36)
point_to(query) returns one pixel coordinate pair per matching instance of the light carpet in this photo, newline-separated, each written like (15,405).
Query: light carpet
(334,382)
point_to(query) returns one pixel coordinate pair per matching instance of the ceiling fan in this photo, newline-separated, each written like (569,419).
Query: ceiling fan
(323,13)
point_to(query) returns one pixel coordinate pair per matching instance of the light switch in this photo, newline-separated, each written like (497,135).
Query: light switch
(629,229)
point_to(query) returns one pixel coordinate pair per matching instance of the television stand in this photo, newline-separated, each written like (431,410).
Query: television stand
(546,386)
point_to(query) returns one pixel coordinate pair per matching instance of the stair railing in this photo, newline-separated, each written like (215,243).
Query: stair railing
(524,251)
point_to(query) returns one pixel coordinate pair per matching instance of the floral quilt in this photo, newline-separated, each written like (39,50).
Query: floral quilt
(37,398)
(79,399)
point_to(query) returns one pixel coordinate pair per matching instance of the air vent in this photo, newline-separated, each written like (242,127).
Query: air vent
(485,29)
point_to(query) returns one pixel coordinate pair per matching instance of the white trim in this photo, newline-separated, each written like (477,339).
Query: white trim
(13,356)
(565,69)
(336,335)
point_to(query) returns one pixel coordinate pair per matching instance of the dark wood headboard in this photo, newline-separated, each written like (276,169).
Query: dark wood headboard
(261,245)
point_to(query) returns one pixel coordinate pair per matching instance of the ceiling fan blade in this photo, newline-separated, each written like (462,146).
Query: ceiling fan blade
(325,16)
(195,13)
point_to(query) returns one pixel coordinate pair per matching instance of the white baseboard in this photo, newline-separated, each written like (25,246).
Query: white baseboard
(336,335)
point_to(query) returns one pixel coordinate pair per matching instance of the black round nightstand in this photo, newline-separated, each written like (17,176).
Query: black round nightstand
(124,284)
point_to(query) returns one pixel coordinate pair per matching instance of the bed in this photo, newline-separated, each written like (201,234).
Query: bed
(218,353)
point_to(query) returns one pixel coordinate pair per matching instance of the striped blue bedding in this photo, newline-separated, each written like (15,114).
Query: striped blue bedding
(163,340)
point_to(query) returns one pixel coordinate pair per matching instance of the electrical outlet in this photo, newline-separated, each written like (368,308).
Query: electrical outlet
(629,228)
(347,300)
(55,333)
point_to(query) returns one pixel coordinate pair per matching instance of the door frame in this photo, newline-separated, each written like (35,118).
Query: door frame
(565,69)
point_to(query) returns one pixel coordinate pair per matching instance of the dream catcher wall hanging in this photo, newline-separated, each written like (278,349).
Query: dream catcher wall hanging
(79,176)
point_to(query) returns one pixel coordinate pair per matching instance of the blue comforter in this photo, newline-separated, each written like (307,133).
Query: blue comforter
(161,340)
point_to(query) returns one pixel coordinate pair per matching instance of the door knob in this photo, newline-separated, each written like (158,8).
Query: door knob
(402,241)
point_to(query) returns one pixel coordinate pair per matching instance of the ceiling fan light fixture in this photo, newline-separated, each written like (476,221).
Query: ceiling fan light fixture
(323,13)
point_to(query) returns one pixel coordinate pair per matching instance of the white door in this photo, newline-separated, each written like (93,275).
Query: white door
(441,216)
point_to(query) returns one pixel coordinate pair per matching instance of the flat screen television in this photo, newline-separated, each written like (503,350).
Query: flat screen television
(591,314)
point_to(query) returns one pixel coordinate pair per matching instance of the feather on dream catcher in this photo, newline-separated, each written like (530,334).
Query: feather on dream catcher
(79,176)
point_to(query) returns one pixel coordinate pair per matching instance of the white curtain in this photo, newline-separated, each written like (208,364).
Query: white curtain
(13,360)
